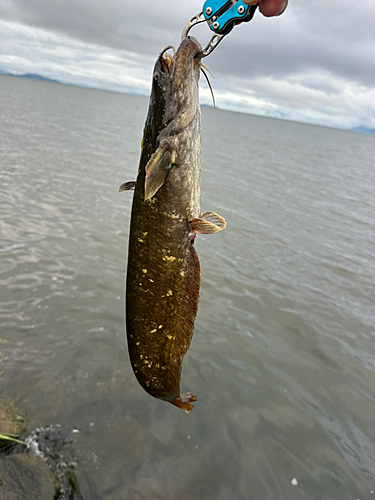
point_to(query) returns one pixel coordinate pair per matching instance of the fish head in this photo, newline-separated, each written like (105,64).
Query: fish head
(181,90)
(174,84)
(177,69)
(185,64)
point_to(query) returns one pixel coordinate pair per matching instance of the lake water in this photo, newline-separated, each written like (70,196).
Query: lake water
(283,356)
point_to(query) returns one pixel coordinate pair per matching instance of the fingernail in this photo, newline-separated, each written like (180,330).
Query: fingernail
(283,8)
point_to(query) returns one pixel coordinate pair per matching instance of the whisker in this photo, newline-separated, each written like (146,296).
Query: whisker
(209,84)
(203,66)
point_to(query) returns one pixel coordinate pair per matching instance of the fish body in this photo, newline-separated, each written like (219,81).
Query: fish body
(163,275)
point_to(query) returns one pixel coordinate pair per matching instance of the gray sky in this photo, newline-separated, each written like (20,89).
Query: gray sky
(315,63)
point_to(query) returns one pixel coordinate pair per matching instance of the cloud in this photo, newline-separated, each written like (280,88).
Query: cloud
(32,50)
(314,63)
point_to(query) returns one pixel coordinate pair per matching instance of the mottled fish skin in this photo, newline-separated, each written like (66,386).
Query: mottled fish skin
(163,275)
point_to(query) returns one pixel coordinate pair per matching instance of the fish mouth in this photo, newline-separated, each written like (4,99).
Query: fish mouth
(181,59)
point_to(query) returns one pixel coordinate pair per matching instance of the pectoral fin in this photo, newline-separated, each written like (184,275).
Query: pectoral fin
(127,186)
(157,169)
(208,223)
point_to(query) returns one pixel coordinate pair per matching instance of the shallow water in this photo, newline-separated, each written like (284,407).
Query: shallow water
(283,356)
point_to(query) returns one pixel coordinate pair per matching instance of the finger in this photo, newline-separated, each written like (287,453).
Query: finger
(270,8)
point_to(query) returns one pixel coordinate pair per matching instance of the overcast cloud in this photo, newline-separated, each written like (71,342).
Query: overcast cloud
(315,63)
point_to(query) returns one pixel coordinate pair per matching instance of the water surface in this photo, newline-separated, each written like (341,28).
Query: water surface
(283,356)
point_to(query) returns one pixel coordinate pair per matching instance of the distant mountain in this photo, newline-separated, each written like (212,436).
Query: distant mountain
(32,76)
(35,76)
(364,129)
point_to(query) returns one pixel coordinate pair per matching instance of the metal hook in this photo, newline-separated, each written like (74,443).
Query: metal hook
(221,16)
(212,44)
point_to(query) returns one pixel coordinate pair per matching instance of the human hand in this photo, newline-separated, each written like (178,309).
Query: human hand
(269,8)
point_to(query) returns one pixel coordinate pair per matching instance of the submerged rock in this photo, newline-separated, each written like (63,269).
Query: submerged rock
(11,423)
(23,476)
(26,477)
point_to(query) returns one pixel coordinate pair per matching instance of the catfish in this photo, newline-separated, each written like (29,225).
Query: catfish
(163,274)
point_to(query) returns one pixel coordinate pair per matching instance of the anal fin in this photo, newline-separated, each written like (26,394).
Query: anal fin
(208,223)
(127,186)
(157,169)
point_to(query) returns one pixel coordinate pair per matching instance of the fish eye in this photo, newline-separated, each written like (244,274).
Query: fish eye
(156,76)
